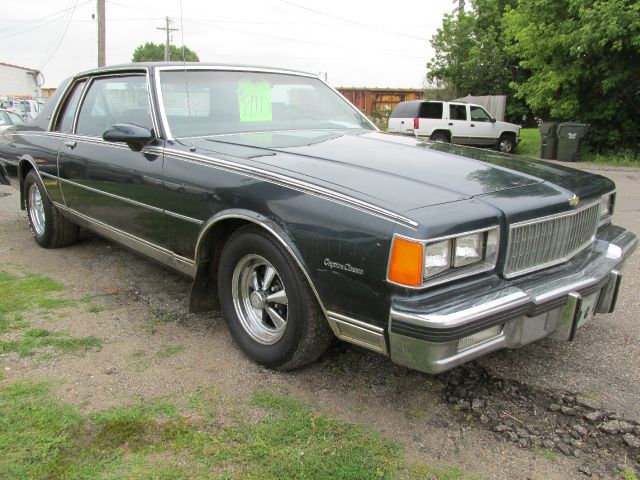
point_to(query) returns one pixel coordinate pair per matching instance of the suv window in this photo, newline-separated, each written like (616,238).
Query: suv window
(64,122)
(457,112)
(479,114)
(431,110)
(4,118)
(398,112)
(114,100)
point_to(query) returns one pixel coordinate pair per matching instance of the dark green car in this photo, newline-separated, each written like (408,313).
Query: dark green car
(301,222)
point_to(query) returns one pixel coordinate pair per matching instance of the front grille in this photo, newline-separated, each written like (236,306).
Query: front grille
(547,241)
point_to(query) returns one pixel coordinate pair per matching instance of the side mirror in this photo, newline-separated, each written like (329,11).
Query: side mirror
(493,120)
(133,135)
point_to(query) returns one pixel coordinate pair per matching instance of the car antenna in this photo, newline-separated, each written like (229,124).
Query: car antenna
(192,148)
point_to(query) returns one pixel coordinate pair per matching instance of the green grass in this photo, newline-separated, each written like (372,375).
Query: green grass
(151,324)
(41,437)
(628,474)
(139,361)
(170,350)
(95,308)
(37,339)
(529,143)
(19,294)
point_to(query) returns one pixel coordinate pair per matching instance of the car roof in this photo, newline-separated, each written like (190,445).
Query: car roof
(191,65)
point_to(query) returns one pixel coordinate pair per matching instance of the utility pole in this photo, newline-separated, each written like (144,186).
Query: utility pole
(460,7)
(168,29)
(102,57)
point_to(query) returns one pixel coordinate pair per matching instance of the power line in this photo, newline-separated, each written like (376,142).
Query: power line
(52,17)
(352,21)
(60,36)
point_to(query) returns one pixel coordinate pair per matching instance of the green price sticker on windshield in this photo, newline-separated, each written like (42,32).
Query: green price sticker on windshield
(254,101)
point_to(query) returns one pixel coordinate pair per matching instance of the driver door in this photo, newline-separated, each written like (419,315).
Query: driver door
(484,126)
(107,181)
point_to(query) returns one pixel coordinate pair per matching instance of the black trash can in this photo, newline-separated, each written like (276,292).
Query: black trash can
(549,140)
(570,136)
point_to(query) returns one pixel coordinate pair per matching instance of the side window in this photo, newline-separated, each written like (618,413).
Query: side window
(479,114)
(64,122)
(431,110)
(15,118)
(114,100)
(4,118)
(398,112)
(457,112)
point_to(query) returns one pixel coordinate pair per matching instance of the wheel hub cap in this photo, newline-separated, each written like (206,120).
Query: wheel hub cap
(259,299)
(36,210)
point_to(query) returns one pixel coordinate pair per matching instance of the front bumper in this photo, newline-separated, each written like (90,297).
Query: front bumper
(436,331)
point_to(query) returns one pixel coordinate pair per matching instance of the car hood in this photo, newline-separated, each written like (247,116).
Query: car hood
(394,172)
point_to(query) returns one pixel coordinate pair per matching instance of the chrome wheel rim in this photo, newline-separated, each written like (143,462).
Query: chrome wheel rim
(36,209)
(260,299)
(505,146)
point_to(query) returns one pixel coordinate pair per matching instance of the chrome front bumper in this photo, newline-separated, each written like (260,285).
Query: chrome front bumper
(440,330)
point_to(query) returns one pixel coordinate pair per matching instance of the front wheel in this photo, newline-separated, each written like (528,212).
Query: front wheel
(267,303)
(48,227)
(506,144)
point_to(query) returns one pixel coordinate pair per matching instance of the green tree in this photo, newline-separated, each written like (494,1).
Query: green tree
(154,52)
(471,55)
(584,59)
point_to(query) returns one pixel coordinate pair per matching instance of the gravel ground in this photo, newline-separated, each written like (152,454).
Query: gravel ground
(547,411)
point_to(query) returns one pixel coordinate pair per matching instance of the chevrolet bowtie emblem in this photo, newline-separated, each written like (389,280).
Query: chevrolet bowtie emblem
(574,200)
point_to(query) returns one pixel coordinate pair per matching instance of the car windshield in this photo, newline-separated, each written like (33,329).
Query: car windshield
(207,102)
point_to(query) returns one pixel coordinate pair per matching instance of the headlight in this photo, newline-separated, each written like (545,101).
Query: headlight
(419,263)
(606,205)
(468,249)
(437,258)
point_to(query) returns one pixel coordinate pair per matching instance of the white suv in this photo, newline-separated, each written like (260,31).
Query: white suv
(455,122)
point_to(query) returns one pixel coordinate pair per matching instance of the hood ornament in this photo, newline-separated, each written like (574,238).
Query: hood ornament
(573,201)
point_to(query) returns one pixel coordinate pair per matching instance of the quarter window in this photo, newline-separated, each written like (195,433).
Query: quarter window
(114,100)
(457,112)
(431,110)
(65,119)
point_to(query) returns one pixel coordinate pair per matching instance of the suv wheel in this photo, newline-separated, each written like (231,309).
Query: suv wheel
(440,137)
(506,144)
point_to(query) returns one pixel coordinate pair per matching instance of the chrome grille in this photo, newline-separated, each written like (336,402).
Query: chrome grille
(543,242)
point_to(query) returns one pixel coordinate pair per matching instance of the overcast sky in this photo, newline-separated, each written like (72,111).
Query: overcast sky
(357,43)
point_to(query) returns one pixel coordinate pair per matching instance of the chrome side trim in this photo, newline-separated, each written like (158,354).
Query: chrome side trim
(288,182)
(48,175)
(357,332)
(144,247)
(184,217)
(275,234)
(111,195)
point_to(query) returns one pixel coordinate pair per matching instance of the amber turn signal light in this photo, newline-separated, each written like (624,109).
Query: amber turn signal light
(405,266)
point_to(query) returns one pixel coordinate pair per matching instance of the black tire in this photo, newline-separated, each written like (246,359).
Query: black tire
(506,144)
(53,230)
(306,334)
(440,137)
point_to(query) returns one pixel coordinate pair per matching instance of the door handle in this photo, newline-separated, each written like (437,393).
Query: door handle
(451,123)
(402,122)
(71,144)
(472,125)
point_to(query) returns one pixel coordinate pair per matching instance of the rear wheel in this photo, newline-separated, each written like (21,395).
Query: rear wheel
(267,304)
(48,227)
(440,137)
(506,144)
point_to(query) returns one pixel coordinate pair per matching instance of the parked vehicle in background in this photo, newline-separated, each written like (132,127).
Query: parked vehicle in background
(9,119)
(299,220)
(454,122)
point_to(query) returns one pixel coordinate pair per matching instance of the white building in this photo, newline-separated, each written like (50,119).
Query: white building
(19,82)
